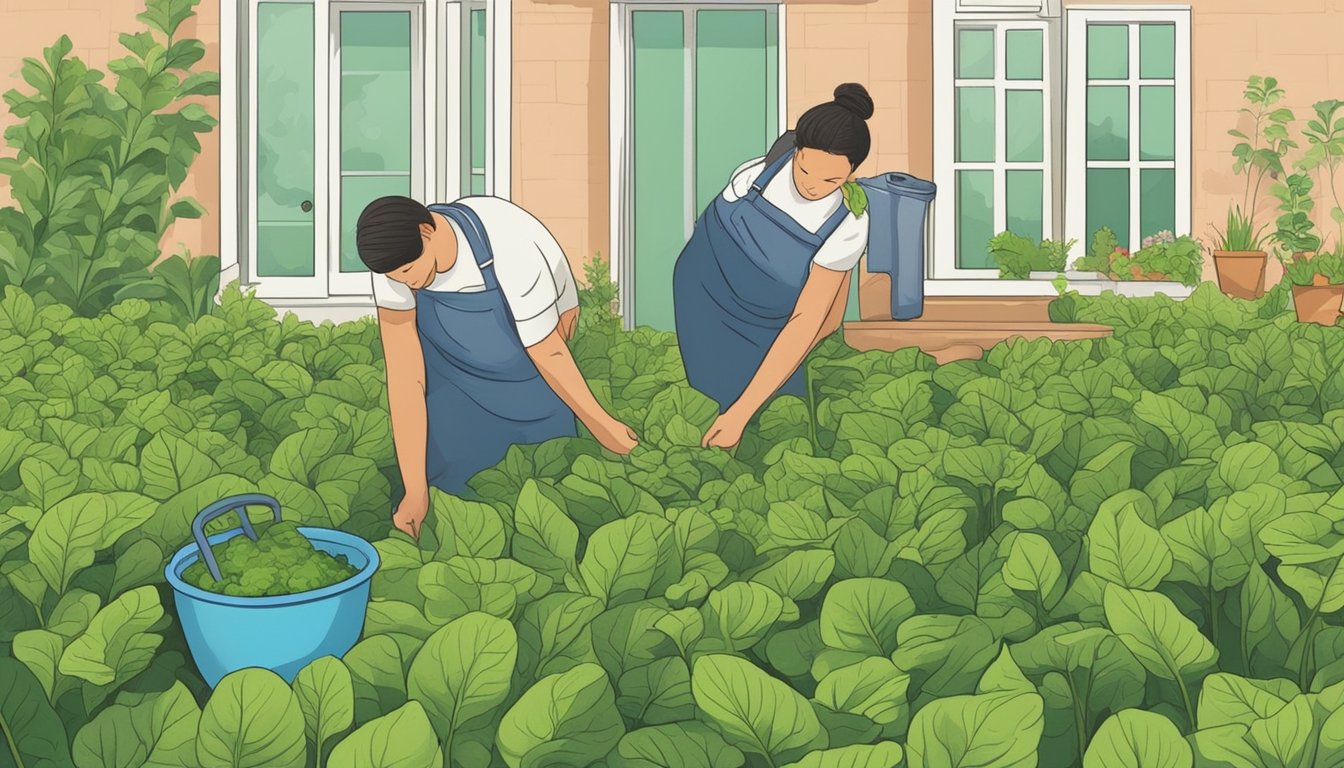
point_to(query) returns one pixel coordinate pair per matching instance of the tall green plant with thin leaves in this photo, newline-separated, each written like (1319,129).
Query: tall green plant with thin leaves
(97,169)
(1325,153)
(1260,153)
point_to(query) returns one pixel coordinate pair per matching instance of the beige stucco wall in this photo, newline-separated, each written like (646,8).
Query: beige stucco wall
(29,26)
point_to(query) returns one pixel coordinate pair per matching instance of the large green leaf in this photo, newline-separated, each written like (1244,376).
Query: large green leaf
(118,644)
(1158,634)
(993,730)
(622,558)
(252,720)
(170,465)
(33,733)
(862,615)
(754,711)
(1123,548)
(1227,698)
(1137,739)
(688,744)
(874,688)
(463,671)
(159,731)
(545,538)
(884,755)
(66,538)
(402,738)
(327,697)
(565,719)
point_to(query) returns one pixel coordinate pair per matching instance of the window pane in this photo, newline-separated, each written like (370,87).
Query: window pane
(1107,122)
(473,105)
(1107,51)
(730,112)
(1157,122)
(975,53)
(659,159)
(357,192)
(1108,203)
(1157,200)
(1157,50)
(375,91)
(975,124)
(285,140)
(975,218)
(1024,54)
(1025,135)
(1026,203)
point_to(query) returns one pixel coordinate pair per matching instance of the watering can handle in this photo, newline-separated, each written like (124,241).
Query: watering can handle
(223,507)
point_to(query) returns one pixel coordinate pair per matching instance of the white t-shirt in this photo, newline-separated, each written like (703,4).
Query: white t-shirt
(532,270)
(840,251)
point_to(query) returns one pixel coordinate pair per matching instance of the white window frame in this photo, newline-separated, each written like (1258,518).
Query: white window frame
(439,82)
(1077,163)
(621,256)
(944,257)
(357,283)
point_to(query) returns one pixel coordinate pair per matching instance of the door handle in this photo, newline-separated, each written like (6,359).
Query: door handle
(306,205)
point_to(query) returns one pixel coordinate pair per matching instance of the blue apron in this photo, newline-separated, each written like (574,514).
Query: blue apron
(482,391)
(736,284)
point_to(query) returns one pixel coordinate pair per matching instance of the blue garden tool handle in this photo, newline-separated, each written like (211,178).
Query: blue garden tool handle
(221,508)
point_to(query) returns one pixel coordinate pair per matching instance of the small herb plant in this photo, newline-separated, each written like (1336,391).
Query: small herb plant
(1104,247)
(1162,256)
(1018,256)
(1305,268)
(1239,234)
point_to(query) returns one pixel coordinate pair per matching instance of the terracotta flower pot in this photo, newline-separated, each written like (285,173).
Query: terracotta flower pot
(1318,303)
(1241,274)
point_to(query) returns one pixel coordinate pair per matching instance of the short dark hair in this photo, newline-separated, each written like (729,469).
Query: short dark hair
(388,233)
(839,127)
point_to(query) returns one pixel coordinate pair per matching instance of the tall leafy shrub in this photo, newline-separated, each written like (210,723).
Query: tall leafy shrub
(97,168)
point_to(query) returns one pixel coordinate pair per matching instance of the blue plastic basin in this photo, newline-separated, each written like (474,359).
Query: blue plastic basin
(283,633)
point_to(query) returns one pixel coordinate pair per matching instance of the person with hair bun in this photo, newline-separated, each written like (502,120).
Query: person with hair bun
(765,275)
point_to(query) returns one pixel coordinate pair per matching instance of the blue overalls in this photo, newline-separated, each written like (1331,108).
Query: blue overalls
(482,391)
(736,284)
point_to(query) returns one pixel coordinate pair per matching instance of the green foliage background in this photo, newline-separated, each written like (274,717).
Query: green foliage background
(1115,552)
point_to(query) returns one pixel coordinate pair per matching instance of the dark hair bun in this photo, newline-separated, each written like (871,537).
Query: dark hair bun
(855,98)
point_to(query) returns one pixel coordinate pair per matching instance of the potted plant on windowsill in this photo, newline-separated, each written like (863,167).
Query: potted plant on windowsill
(1318,285)
(1096,265)
(1239,257)
(1053,256)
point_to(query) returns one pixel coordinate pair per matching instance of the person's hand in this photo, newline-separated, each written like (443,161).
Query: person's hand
(726,431)
(615,436)
(411,511)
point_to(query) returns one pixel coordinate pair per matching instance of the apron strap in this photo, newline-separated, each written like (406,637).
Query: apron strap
(833,223)
(470,224)
(770,171)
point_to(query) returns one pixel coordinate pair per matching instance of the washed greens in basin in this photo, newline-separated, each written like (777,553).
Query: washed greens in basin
(281,561)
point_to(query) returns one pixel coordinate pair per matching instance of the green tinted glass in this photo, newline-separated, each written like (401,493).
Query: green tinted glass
(1107,51)
(730,112)
(1157,51)
(975,124)
(376,91)
(473,105)
(1157,200)
(1026,203)
(1025,133)
(1107,122)
(975,219)
(285,140)
(659,158)
(1108,202)
(975,53)
(1157,122)
(1025,57)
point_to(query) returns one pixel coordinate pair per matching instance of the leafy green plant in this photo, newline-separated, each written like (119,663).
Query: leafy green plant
(1062,553)
(1239,234)
(1098,258)
(180,286)
(1315,268)
(1260,153)
(96,169)
(1325,153)
(1296,232)
(1018,256)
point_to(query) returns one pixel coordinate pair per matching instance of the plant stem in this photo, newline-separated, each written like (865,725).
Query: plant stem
(9,742)
(1214,610)
(1079,717)
(811,405)
(1307,640)
(1185,698)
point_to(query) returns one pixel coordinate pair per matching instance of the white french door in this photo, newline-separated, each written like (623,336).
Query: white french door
(350,101)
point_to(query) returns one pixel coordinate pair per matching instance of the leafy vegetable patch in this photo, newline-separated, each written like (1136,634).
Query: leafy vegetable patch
(1114,552)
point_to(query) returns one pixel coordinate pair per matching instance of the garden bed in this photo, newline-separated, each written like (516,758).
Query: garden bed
(1065,547)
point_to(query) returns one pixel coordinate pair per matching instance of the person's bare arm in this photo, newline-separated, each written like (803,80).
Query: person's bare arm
(795,341)
(569,322)
(406,403)
(556,365)
(837,314)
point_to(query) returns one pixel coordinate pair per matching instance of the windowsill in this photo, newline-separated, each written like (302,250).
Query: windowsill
(1045,287)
